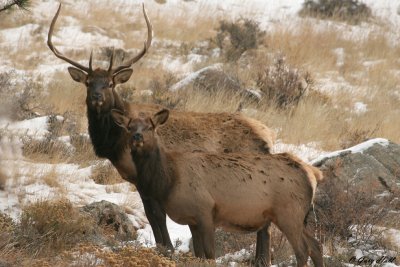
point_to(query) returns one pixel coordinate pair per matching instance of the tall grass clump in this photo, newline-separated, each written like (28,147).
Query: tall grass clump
(50,226)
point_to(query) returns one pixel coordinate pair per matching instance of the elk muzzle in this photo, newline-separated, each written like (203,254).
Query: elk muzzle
(97,100)
(137,140)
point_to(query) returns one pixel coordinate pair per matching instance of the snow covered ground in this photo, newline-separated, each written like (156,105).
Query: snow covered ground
(26,184)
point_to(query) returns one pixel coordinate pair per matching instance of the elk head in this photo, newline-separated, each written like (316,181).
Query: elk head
(142,131)
(100,83)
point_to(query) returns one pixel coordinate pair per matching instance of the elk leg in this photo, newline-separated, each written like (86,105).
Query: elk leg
(207,232)
(293,230)
(197,242)
(161,220)
(148,209)
(263,246)
(315,249)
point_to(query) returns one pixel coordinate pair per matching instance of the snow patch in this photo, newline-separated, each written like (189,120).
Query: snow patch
(14,37)
(340,56)
(73,36)
(360,108)
(360,148)
(36,127)
(176,232)
(306,152)
(238,256)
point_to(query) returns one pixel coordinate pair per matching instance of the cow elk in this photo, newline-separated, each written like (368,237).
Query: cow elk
(236,191)
(189,131)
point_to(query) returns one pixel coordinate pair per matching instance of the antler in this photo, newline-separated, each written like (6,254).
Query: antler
(146,47)
(58,54)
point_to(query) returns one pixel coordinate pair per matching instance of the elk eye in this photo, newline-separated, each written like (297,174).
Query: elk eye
(110,85)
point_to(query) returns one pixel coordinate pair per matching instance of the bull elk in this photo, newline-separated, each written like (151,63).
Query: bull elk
(235,191)
(189,131)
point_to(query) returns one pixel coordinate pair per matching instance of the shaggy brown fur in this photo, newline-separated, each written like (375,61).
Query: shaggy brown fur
(221,132)
(236,191)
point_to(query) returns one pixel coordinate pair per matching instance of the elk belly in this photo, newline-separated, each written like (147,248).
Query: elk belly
(186,206)
(241,219)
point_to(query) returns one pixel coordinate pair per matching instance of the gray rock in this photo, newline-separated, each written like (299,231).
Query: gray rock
(109,214)
(376,166)
(214,79)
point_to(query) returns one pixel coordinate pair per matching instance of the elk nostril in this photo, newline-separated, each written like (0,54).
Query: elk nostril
(137,137)
(96,96)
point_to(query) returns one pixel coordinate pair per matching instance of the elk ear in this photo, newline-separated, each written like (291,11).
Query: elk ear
(120,119)
(122,76)
(78,75)
(160,117)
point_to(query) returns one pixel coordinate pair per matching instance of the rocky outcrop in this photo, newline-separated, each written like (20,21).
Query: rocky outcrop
(214,79)
(374,164)
(110,215)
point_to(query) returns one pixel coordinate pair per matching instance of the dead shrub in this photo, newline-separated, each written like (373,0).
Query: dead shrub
(7,225)
(20,98)
(27,103)
(45,150)
(7,228)
(84,153)
(51,147)
(104,173)
(352,137)
(49,226)
(160,88)
(340,206)
(227,242)
(237,37)
(282,85)
(352,11)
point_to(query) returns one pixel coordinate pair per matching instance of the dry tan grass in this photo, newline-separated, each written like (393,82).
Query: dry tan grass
(49,151)
(306,46)
(66,95)
(104,173)
(198,101)
(51,178)
(49,226)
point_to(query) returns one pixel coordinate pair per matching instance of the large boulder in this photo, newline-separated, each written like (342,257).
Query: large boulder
(111,216)
(374,164)
(214,79)
(359,197)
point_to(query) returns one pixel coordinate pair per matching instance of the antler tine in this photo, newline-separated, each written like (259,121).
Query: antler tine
(111,61)
(90,60)
(55,51)
(146,47)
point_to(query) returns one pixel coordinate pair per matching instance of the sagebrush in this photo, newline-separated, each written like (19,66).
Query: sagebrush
(346,10)
(235,38)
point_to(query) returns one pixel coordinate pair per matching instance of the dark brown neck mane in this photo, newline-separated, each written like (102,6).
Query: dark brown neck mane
(155,172)
(108,139)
